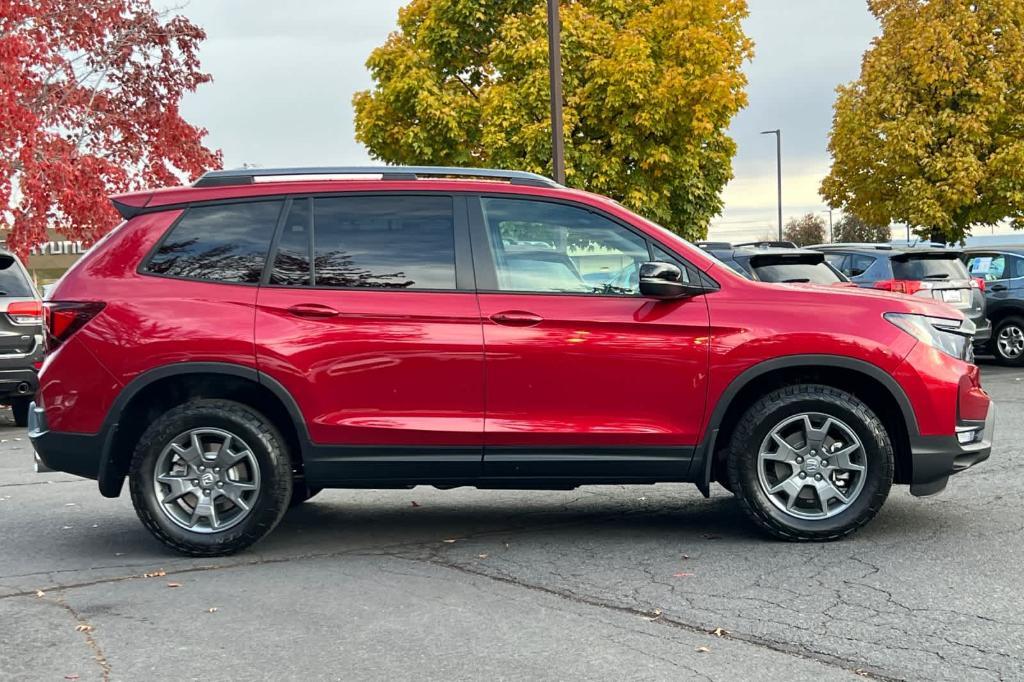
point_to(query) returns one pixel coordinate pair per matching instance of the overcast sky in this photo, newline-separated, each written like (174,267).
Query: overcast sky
(284,75)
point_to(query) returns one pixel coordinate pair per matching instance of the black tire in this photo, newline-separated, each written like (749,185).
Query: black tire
(774,408)
(1004,325)
(268,448)
(19,409)
(301,493)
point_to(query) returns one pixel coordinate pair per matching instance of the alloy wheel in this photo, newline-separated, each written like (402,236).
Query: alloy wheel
(206,480)
(812,466)
(1010,342)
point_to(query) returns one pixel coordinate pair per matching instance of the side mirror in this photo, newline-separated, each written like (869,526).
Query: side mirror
(662,280)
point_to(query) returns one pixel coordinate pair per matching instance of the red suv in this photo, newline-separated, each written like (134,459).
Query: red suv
(235,346)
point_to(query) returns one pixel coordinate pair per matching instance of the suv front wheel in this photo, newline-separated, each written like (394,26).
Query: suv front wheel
(1008,341)
(210,477)
(810,462)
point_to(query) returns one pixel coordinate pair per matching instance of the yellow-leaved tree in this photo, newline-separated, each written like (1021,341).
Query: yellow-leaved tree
(932,133)
(650,87)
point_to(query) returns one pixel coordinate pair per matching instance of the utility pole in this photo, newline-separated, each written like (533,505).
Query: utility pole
(555,82)
(778,168)
(831,238)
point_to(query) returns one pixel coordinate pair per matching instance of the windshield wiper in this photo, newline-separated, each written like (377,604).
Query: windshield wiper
(937,275)
(797,280)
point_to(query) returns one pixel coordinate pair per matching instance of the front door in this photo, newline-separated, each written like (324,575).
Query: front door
(377,335)
(586,379)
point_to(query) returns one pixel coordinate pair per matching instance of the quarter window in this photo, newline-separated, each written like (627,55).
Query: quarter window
(393,242)
(548,247)
(222,243)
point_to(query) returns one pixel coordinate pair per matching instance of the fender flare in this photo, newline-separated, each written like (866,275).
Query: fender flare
(704,456)
(111,480)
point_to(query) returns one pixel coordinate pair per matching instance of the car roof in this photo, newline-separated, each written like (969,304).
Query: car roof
(1017,249)
(731,251)
(884,249)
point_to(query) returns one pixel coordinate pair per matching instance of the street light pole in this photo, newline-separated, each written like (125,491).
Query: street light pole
(778,169)
(831,238)
(555,82)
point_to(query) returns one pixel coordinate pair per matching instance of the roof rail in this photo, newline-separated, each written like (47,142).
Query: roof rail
(247,176)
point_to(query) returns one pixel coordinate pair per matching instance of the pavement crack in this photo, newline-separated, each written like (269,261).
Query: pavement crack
(86,629)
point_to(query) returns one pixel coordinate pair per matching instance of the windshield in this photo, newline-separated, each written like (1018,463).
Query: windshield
(808,273)
(925,268)
(12,281)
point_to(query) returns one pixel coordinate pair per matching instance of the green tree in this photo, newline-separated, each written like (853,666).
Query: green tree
(850,228)
(806,230)
(650,87)
(932,133)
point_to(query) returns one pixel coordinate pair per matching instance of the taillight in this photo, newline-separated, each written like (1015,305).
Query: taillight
(61,319)
(25,312)
(978,283)
(902,286)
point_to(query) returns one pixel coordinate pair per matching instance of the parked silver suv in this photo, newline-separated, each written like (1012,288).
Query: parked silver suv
(21,337)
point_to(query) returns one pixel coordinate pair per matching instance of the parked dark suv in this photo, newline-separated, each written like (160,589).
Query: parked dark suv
(21,337)
(935,273)
(1001,268)
(237,345)
(783,264)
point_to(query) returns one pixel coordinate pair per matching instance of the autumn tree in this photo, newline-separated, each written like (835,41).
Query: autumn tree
(89,96)
(650,87)
(850,228)
(806,230)
(931,133)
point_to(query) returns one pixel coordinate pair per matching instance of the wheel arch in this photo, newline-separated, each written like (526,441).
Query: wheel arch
(157,390)
(868,382)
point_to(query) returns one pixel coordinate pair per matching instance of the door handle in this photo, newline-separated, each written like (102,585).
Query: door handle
(516,318)
(997,287)
(312,310)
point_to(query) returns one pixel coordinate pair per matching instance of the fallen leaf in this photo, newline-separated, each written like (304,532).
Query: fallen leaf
(449,541)
(685,557)
(66,527)
(70,504)
(682,575)
(154,574)
(482,556)
(720,632)
(212,610)
(83,628)
(72,676)
(173,584)
(118,553)
(703,650)
(40,593)
(654,615)
(415,503)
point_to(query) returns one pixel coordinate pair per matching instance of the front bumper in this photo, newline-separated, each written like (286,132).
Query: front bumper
(73,453)
(936,458)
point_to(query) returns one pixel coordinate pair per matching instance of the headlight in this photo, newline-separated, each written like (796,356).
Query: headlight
(952,337)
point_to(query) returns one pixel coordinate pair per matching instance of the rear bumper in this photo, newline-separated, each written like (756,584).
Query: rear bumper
(936,458)
(18,383)
(74,453)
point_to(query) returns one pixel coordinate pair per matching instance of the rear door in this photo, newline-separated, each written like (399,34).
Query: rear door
(584,380)
(377,335)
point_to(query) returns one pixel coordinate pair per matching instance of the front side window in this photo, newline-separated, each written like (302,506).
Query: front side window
(553,248)
(221,243)
(384,242)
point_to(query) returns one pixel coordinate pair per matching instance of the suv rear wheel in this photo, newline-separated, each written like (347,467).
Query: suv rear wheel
(19,410)
(810,462)
(210,477)
(1008,341)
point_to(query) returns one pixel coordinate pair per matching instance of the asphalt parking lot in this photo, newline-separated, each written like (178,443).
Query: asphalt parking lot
(608,582)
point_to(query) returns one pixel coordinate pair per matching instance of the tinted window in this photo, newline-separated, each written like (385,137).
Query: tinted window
(226,243)
(12,279)
(813,273)
(547,247)
(390,242)
(929,268)
(291,264)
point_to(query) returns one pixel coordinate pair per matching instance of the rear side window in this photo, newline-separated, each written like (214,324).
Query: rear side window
(392,242)
(12,279)
(221,243)
(929,268)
